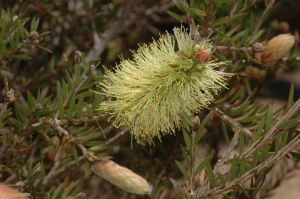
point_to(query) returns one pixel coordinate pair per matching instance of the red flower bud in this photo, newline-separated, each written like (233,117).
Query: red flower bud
(202,56)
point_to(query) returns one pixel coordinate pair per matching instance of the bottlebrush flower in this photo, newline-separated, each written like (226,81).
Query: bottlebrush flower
(164,79)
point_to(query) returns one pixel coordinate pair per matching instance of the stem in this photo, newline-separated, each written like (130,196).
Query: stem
(192,164)
(121,133)
(231,48)
(233,122)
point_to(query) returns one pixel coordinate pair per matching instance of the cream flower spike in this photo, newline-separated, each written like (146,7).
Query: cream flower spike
(170,76)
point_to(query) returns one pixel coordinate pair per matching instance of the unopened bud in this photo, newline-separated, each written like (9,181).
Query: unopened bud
(93,69)
(122,177)
(34,37)
(257,47)
(38,107)
(275,49)
(78,56)
(202,56)
(11,95)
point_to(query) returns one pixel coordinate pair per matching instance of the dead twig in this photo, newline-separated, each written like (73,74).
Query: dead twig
(233,122)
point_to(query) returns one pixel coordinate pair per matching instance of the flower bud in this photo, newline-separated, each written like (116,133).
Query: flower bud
(275,49)
(202,56)
(8,193)
(122,177)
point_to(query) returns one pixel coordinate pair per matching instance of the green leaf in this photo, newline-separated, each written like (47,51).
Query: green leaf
(269,117)
(34,24)
(57,192)
(186,120)
(241,141)
(291,96)
(200,166)
(182,169)
(222,179)
(210,174)
(196,12)
(175,16)
(259,130)
(44,48)
(289,123)
(187,139)
(75,154)
(201,130)
(233,169)
(225,133)
(30,100)
(180,5)
(228,20)
(68,191)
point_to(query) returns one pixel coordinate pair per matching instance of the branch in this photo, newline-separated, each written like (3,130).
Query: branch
(55,166)
(248,175)
(272,131)
(233,122)
(121,133)
(256,47)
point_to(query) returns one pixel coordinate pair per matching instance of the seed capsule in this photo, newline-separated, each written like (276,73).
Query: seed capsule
(275,49)
(122,177)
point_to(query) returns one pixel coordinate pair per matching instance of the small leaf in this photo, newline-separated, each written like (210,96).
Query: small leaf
(175,16)
(200,167)
(182,169)
(34,24)
(291,96)
(228,20)
(269,116)
(225,133)
(187,139)
(210,174)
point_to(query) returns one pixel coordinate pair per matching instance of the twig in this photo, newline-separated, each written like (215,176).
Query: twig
(233,143)
(248,175)
(55,166)
(248,49)
(192,164)
(121,133)
(233,122)
(83,119)
(256,145)
(57,126)
(272,131)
